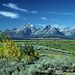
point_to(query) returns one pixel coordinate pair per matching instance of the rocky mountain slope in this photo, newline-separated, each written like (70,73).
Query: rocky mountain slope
(27,31)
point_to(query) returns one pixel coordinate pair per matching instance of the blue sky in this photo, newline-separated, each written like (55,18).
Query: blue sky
(15,13)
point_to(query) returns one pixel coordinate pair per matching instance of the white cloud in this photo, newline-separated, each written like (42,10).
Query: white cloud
(59,26)
(67,13)
(34,12)
(24,18)
(14,6)
(43,25)
(56,25)
(43,18)
(61,13)
(55,20)
(9,14)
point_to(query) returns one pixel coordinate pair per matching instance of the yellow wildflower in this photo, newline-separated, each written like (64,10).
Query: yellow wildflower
(19,54)
(35,53)
(59,55)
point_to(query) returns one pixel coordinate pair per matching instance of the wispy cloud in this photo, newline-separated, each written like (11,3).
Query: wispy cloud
(14,6)
(33,12)
(43,25)
(52,19)
(43,18)
(24,18)
(59,25)
(56,25)
(61,13)
(9,14)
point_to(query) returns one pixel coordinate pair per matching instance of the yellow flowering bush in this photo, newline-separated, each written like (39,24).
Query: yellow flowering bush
(9,50)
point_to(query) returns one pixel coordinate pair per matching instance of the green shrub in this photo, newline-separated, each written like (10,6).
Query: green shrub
(51,56)
(72,55)
(28,52)
(2,36)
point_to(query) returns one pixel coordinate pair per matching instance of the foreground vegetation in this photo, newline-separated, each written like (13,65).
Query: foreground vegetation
(36,57)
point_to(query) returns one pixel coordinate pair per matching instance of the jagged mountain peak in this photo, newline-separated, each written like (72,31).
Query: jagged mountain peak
(73,27)
(46,27)
(29,25)
(29,30)
(14,29)
(23,26)
(66,28)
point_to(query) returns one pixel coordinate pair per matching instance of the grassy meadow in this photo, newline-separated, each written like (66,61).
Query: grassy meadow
(67,45)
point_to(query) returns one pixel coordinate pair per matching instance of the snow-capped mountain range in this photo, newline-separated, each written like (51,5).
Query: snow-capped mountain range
(27,31)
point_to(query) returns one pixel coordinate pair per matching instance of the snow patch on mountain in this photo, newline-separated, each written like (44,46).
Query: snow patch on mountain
(29,30)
